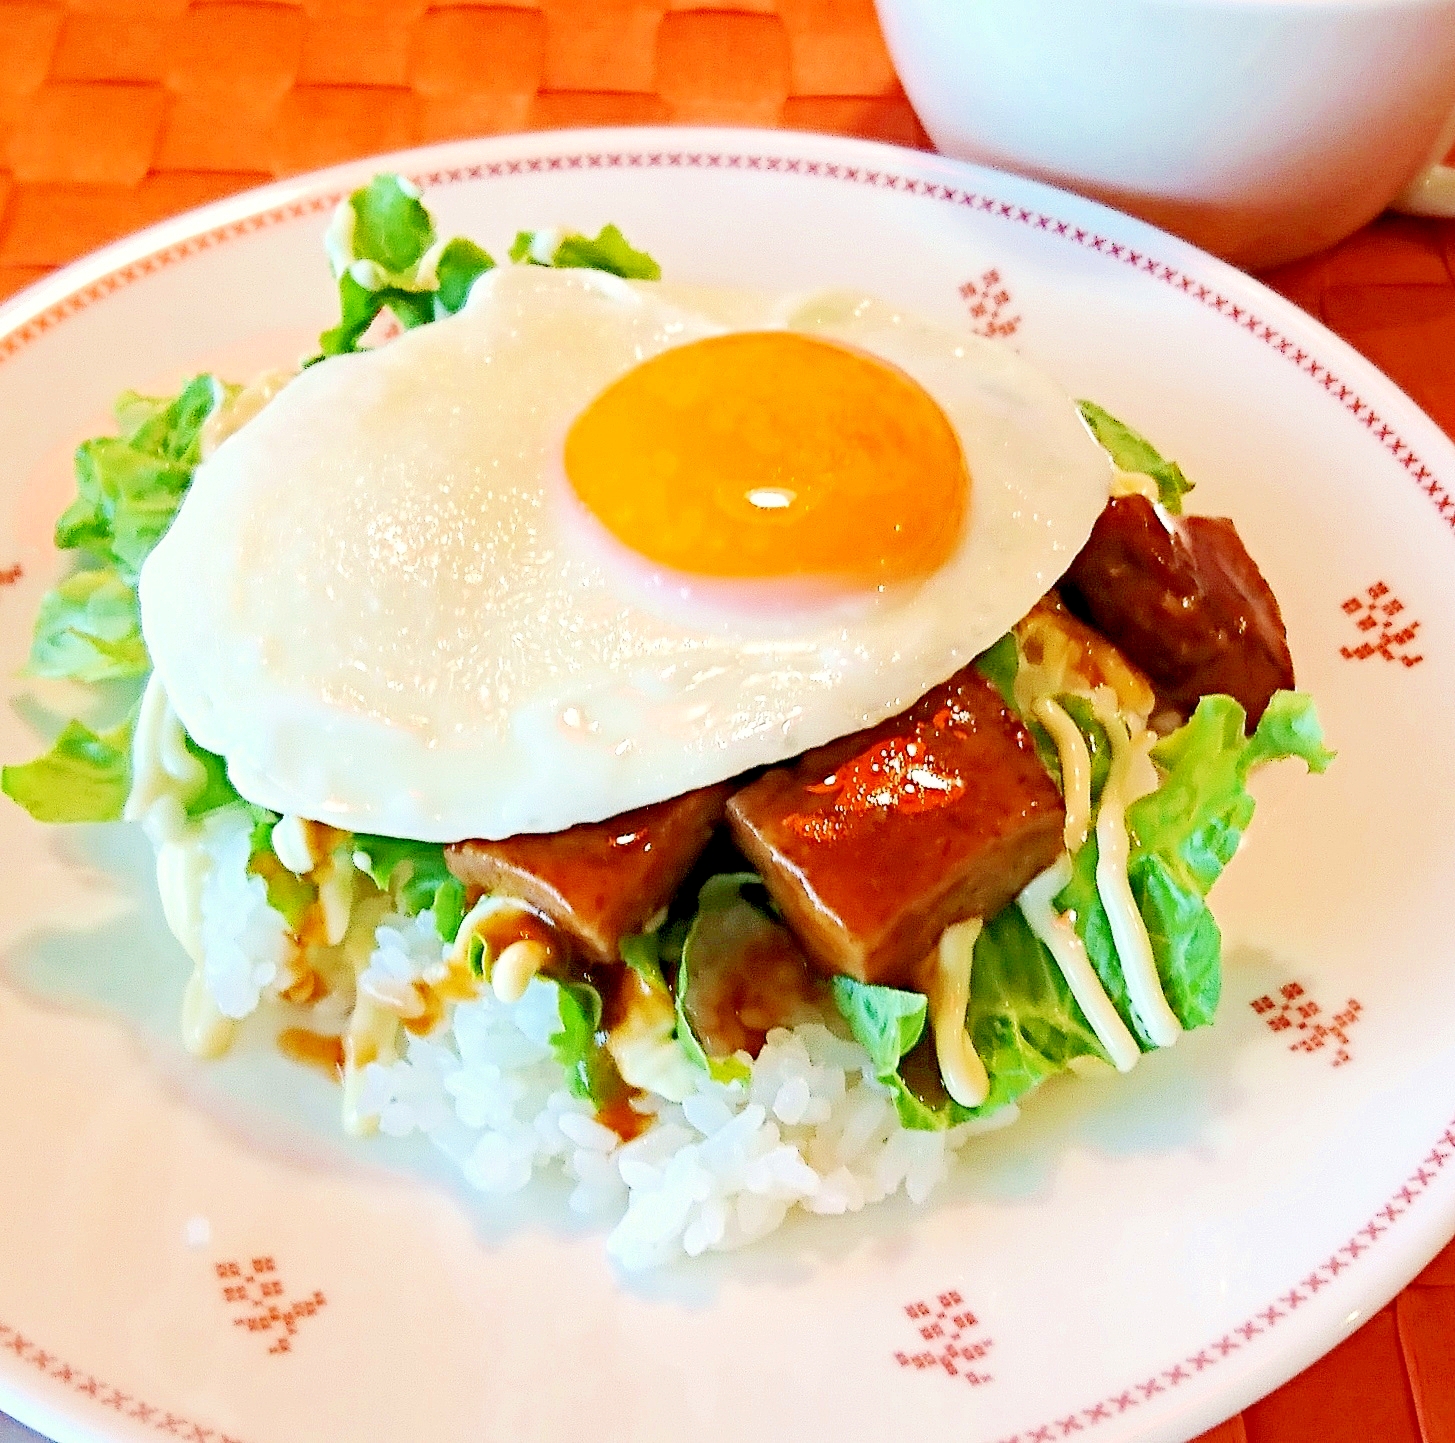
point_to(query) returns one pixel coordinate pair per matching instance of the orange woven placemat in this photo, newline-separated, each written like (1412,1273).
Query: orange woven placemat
(116,113)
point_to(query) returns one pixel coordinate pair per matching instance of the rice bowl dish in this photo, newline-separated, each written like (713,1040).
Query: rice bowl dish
(484,1019)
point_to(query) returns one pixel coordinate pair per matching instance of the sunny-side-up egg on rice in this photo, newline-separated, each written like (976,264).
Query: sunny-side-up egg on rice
(594,543)
(472,658)
(587,545)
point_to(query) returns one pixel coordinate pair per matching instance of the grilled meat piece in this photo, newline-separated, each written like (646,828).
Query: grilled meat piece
(1183,600)
(873,844)
(599,881)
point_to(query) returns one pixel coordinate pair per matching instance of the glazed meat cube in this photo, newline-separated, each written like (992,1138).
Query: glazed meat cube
(1183,600)
(600,881)
(872,845)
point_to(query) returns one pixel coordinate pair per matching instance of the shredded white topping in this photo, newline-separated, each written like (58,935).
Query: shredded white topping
(293,846)
(644,1045)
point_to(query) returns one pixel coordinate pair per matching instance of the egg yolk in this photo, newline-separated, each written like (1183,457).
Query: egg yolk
(773,454)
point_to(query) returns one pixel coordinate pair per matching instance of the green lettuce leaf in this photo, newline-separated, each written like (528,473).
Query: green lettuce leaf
(358,307)
(1022,1019)
(643,955)
(85,777)
(1130,451)
(610,251)
(724,927)
(89,629)
(217,790)
(1098,744)
(392,227)
(415,872)
(590,1073)
(461,263)
(1197,816)
(288,894)
(886,1021)
(391,241)
(1182,836)
(128,487)
(170,427)
(999,665)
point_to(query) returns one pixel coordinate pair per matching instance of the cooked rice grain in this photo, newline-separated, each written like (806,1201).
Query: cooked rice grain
(810,1128)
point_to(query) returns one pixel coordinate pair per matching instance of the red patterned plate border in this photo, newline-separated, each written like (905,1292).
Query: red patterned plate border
(1341,1259)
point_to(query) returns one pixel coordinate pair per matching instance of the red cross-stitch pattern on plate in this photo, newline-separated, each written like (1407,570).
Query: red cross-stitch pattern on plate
(256,1293)
(1373,615)
(948,1330)
(1261,1322)
(78,1380)
(1309,1029)
(987,300)
(9,575)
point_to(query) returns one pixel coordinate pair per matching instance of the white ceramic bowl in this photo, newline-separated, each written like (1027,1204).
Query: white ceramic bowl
(1261,130)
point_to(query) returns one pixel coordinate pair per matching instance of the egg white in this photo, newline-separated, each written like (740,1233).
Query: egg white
(370,603)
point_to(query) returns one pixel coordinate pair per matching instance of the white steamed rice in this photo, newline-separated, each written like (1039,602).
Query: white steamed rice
(245,942)
(811,1127)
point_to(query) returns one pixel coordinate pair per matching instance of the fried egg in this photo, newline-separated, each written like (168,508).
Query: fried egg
(591,543)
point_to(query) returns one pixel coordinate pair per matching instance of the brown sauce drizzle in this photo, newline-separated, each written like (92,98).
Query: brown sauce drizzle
(314,1049)
(510,925)
(458,985)
(321,838)
(621,1117)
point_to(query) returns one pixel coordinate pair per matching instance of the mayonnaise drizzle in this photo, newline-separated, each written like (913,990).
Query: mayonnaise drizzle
(963,1072)
(165,776)
(1075,769)
(309,850)
(292,845)
(206,1030)
(1060,665)
(512,971)
(1128,930)
(644,1045)
(1057,931)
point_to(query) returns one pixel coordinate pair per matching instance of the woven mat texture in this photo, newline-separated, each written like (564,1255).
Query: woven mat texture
(117,113)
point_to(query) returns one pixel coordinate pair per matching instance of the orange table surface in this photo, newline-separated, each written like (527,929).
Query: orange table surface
(116,113)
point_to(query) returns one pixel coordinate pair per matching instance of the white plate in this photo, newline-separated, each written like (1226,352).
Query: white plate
(1137,1258)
